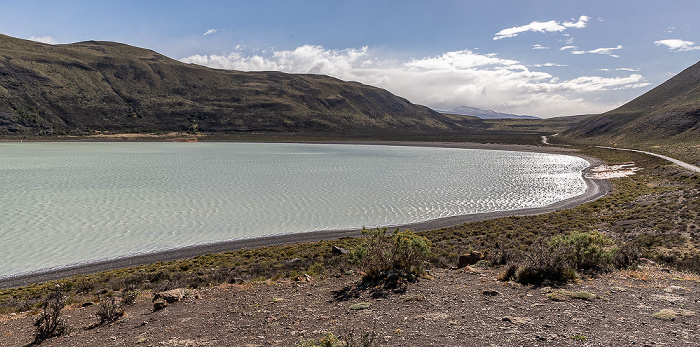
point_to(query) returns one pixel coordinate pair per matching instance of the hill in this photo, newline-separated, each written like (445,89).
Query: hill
(666,115)
(93,86)
(485,114)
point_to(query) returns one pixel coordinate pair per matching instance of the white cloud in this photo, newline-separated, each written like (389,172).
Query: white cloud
(604,51)
(549,65)
(677,45)
(582,22)
(538,46)
(541,27)
(445,81)
(626,69)
(44,39)
(209,32)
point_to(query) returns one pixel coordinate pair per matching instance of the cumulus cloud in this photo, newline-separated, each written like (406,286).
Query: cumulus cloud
(677,45)
(542,27)
(209,32)
(444,81)
(44,39)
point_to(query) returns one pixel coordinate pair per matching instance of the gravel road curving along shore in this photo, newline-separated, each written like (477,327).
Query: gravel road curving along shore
(595,189)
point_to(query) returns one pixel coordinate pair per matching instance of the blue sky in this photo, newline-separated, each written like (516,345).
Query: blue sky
(543,58)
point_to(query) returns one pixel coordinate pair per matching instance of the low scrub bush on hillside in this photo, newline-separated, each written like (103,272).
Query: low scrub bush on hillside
(391,257)
(587,251)
(560,258)
(545,263)
(49,323)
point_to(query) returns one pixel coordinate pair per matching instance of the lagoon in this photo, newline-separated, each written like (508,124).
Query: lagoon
(67,203)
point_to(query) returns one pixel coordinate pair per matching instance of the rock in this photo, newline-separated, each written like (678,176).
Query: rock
(339,250)
(490,292)
(170,296)
(645,261)
(517,320)
(305,278)
(87,304)
(672,289)
(159,304)
(469,259)
(360,306)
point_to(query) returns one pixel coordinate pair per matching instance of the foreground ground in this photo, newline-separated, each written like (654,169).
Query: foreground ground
(456,307)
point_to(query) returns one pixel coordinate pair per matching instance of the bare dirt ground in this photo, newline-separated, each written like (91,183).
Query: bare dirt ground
(456,307)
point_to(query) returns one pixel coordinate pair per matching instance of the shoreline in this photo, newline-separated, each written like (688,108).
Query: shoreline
(595,188)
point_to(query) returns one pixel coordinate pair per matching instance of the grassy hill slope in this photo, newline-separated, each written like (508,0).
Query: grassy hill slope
(666,116)
(88,86)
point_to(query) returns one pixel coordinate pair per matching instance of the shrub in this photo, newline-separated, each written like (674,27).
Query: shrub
(391,257)
(129,297)
(50,323)
(546,263)
(587,251)
(559,259)
(349,337)
(110,310)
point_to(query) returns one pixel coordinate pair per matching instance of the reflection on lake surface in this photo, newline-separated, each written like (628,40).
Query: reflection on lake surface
(64,203)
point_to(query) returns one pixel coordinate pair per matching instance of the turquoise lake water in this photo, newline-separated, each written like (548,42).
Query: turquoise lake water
(64,203)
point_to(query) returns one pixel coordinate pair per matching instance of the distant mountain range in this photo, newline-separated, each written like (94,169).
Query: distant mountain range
(667,114)
(484,114)
(93,86)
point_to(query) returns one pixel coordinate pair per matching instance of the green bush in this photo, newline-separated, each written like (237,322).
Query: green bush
(545,263)
(391,257)
(587,251)
(559,259)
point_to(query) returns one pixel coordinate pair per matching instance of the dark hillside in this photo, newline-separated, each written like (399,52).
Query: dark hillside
(667,114)
(104,86)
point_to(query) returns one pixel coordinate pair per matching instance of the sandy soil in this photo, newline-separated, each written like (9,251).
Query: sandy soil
(596,188)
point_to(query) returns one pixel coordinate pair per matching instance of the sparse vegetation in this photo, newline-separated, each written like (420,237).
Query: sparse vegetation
(391,258)
(109,310)
(49,323)
(665,314)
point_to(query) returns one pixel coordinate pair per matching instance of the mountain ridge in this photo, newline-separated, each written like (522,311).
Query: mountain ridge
(666,114)
(485,114)
(93,86)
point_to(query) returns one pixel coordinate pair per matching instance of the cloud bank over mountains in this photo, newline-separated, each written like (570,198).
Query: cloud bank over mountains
(445,81)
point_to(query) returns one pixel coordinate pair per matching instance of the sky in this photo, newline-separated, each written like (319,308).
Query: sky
(540,58)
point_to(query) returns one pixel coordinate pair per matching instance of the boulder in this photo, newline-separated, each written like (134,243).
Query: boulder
(469,259)
(339,250)
(170,296)
(159,304)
